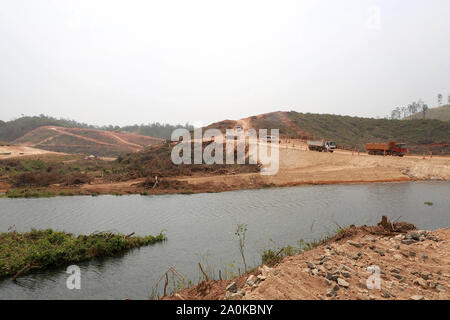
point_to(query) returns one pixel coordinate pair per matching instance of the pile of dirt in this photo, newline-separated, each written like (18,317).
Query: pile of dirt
(387,261)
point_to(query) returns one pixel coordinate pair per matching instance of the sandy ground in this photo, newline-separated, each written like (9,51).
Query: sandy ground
(7,152)
(301,166)
(412,265)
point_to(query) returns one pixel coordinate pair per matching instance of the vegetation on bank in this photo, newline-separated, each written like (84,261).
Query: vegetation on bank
(72,170)
(40,249)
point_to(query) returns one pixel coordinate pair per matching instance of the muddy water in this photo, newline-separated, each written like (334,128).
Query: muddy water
(200,228)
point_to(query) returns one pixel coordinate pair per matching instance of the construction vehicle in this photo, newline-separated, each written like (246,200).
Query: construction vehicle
(386,148)
(321,145)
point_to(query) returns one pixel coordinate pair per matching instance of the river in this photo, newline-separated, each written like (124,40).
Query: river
(200,228)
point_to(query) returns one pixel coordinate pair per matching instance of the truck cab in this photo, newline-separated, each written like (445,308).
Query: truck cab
(400,149)
(330,146)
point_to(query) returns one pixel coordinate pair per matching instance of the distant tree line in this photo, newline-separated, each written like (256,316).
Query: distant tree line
(413,108)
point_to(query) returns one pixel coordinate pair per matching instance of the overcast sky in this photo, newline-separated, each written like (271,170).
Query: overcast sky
(124,62)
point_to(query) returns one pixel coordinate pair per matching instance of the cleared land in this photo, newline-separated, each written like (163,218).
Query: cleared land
(86,141)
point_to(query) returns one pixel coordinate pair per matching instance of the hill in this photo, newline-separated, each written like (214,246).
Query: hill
(439,113)
(14,129)
(351,132)
(86,141)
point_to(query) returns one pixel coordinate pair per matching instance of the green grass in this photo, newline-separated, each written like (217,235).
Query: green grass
(428,203)
(40,249)
(272,256)
(28,193)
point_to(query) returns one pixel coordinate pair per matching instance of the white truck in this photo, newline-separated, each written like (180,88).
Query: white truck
(321,145)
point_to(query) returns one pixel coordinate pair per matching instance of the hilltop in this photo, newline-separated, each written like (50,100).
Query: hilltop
(14,129)
(86,141)
(440,113)
(351,132)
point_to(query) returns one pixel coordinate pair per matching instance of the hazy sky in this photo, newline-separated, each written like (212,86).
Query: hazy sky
(124,62)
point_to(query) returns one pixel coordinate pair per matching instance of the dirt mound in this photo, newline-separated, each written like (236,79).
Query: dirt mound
(386,261)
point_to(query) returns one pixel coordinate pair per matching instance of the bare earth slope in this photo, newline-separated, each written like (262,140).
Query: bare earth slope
(88,141)
(413,264)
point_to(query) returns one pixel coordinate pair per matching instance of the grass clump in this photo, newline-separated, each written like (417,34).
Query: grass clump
(428,203)
(40,249)
(29,193)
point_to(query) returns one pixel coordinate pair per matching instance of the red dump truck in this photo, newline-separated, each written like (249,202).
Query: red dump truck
(386,148)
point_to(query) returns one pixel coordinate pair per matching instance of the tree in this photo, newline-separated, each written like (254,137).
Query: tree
(396,113)
(240,232)
(413,108)
(439,97)
(424,110)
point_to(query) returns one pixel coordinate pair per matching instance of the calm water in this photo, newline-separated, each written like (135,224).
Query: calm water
(200,228)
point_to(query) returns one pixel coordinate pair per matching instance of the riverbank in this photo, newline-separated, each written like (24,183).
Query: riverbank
(21,253)
(412,264)
(298,166)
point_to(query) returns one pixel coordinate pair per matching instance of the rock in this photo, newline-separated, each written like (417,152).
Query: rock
(412,253)
(440,287)
(331,293)
(346,274)
(392,293)
(344,267)
(276,272)
(343,283)
(251,280)
(426,276)
(265,270)
(385,294)
(314,272)
(336,287)
(395,271)
(328,282)
(380,252)
(415,236)
(397,276)
(228,295)
(355,244)
(424,256)
(397,256)
(396,247)
(416,297)
(310,265)
(232,287)
(236,296)
(420,282)
(356,256)
(408,241)
(332,276)
(261,277)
